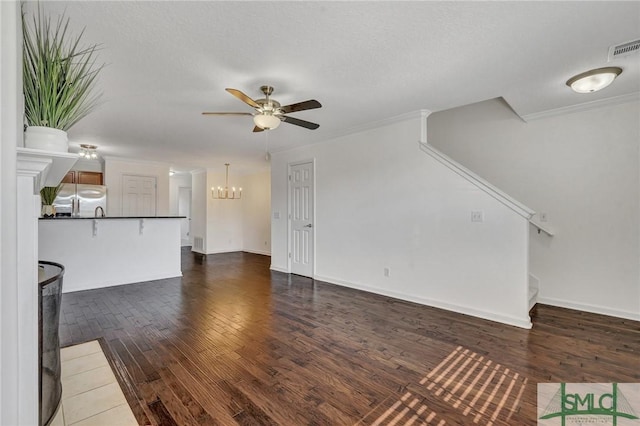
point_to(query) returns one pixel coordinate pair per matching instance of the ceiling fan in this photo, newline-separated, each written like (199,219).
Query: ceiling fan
(269,113)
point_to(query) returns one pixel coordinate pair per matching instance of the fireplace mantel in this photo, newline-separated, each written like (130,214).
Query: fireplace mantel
(47,167)
(34,169)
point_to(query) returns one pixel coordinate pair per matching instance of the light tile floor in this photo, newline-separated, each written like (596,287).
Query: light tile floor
(91,395)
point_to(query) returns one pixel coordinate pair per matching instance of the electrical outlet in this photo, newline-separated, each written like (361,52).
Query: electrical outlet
(477,216)
(387,272)
(543,217)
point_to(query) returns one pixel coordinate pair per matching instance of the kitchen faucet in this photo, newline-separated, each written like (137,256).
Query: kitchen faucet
(101,211)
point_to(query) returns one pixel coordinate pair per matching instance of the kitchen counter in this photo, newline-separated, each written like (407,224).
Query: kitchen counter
(112,217)
(112,250)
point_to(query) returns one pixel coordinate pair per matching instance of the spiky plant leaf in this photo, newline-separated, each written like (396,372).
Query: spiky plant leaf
(49,193)
(59,75)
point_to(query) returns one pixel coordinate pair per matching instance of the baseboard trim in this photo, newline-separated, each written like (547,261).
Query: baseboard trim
(262,252)
(112,283)
(504,319)
(594,309)
(278,269)
(233,250)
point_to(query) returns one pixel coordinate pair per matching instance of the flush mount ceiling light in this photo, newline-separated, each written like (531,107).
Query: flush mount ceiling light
(88,151)
(593,80)
(266,121)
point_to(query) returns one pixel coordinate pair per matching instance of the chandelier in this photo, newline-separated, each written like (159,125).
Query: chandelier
(88,152)
(221,193)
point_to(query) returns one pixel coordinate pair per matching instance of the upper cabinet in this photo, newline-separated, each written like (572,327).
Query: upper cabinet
(90,178)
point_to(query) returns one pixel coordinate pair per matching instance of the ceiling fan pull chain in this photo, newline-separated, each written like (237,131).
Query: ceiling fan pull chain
(267,155)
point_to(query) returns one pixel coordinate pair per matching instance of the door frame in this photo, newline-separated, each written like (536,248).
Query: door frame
(190,213)
(313,213)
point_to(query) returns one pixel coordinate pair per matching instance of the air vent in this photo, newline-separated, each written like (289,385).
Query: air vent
(625,49)
(198,243)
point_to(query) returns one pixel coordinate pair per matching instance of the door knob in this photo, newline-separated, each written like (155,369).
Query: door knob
(308,226)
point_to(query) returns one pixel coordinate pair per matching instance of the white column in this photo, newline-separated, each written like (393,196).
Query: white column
(27,299)
(10,131)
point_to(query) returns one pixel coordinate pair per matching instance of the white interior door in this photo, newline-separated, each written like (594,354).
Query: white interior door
(184,209)
(301,214)
(138,195)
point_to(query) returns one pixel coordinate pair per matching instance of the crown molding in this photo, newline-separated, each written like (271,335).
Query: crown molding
(134,160)
(629,97)
(421,113)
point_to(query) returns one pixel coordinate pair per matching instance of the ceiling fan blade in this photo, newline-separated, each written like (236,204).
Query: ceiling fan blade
(258,129)
(298,122)
(301,106)
(244,98)
(227,113)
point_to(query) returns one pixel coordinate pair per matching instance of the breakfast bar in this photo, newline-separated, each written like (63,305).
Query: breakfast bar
(108,251)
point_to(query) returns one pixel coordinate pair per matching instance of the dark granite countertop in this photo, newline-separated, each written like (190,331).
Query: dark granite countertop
(112,217)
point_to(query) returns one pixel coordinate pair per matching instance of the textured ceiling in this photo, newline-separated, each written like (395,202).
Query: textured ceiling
(364,61)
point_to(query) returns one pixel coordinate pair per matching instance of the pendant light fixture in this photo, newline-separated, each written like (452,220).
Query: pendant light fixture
(593,80)
(221,193)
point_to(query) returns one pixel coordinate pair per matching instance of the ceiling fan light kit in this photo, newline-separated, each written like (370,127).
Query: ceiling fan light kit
(266,121)
(269,113)
(593,80)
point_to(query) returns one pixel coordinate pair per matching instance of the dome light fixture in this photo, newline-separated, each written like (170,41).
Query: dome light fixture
(593,80)
(88,152)
(266,121)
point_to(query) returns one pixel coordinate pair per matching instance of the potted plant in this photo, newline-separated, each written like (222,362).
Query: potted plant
(59,77)
(48,195)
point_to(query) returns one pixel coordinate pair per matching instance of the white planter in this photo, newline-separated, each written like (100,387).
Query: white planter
(46,139)
(48,210)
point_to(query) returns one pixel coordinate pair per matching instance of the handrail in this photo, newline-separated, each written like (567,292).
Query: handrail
(476,180)
(542,228)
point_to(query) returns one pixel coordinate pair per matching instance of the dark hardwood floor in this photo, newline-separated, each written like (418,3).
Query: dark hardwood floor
(234,343)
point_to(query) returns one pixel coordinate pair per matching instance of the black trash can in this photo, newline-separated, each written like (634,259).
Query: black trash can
(50,295)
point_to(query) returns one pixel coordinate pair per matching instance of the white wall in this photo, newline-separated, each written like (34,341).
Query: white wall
(256,210)
(381,202)
(232,225)
(115,168)
(582,169)
(224,217)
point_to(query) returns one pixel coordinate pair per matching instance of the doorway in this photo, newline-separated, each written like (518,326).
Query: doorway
(301,218)
(184,209)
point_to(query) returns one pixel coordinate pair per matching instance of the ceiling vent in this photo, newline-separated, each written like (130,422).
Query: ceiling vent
(625,49)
